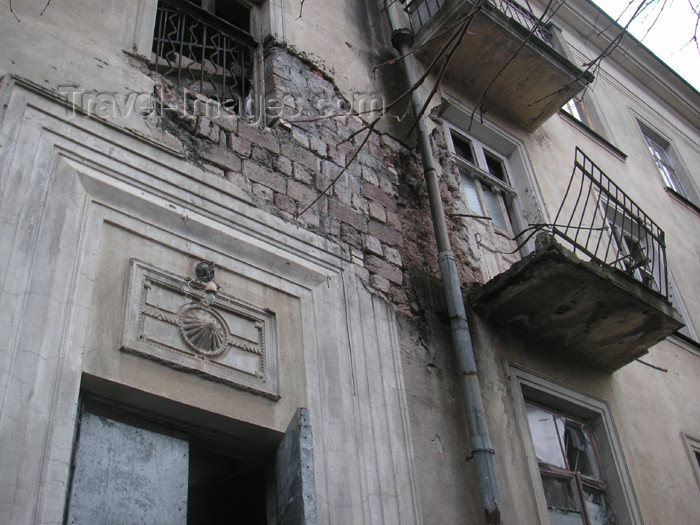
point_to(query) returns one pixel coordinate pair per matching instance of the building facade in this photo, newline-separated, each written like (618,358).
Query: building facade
(229,244)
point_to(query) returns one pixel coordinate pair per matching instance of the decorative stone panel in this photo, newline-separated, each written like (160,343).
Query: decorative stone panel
(171,320)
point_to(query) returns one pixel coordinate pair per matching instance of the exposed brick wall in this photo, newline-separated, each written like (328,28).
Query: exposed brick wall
(377,210)
(284,169)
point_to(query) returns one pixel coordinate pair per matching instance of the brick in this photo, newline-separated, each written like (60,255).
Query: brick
(362,273)
(206,129)
(238,179)
(380,283)
(283,165)
(393,256)
(373,193)
(385,234)
(302,174)
(330,225)
(347,215)
(386,186)
(376,152)
(331,170)
(372,245)
(228,123)
(221,157)
(311,218)
(300,192)
(384,269)
(213,169)
(264,176)
(350,235)
(359,203)
(368,175)
(300,155)
(261,156)
(337,155)
(392,220)
(262,138)
(301,137)
(322,183)
(263,192)
(239,145)
(285,203)
(318,146)
(377,212)
(342,193)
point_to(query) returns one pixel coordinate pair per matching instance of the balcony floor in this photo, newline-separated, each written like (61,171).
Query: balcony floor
(591,312)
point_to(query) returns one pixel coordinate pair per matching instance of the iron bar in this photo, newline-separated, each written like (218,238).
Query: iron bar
(421,11)
(626,238)
(198,52)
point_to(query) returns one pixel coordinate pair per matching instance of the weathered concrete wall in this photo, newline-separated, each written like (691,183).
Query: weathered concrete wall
(80,199)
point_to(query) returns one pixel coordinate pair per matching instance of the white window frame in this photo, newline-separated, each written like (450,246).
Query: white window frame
(668,163)
(536,388)
(485,181)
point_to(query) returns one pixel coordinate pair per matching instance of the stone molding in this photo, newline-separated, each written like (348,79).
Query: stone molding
(169,320)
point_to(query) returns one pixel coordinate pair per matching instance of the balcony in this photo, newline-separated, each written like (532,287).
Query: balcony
(504,44)
(596,287)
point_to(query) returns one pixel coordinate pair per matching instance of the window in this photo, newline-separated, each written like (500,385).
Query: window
(206,46)
(485,180)
(641,244)
(127,469)
(571,479)
(676,300)
(693,447)
(576,464)
(583,109)
(572,108)
(674,176)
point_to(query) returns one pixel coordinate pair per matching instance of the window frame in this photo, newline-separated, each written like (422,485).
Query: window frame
(582,483)
(478,172)
(674,175)
(525,384)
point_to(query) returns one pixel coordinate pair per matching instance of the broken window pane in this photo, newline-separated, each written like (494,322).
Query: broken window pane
(579,452)
(598,512)
(560,493)
(545,435)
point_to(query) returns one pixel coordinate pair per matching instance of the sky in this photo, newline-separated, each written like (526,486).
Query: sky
(666,28)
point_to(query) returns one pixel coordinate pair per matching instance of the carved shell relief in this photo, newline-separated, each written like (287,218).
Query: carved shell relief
(203,330)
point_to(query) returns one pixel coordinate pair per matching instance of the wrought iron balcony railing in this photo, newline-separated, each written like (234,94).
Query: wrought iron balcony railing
(422,11)
(599,220)
(197,50)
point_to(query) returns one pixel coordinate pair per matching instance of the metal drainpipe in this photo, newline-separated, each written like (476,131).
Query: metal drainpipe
(482,453)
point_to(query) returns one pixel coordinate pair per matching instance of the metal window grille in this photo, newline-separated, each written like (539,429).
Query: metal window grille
(600,220)
(200,52)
